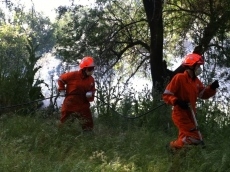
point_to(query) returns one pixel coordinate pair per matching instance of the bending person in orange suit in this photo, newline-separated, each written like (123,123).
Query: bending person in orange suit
(78,88)
(185,88)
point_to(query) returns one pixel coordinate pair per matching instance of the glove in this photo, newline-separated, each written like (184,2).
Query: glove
(182,104)
(214,85)
(62,93)
(89,94)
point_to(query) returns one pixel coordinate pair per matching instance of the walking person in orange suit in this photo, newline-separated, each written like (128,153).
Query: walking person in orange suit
(78,88)
(182,93)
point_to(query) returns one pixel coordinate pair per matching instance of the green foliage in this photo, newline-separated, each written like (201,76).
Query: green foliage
(117,35)
(112,33)
(37,28)
(32,143)
(117,101)
(11,64)
(200,22)
(23,41)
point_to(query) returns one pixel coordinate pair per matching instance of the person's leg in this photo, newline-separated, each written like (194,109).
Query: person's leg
(185,138)
(64,116)
(86,119)
(177,144)
(187,135)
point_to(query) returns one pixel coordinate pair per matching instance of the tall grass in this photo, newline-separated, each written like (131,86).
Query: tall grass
(32,143)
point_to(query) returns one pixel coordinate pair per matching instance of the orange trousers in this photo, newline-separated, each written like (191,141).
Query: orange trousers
(183,140)
(84,116)
(187,133)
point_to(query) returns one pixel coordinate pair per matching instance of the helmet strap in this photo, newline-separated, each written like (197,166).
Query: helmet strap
(194,74)
(191,71)
(84,73)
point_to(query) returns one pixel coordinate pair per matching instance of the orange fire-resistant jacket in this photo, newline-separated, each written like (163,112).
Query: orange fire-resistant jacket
(183,87)
(76,85)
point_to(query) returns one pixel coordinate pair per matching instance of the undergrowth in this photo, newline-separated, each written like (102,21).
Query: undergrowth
(32,143)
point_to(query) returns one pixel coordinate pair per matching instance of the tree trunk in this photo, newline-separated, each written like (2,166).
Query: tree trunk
(209,32)
(153,9)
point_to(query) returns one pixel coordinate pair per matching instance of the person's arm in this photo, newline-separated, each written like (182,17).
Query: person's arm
(169,93)
(62,82)
(209,91)
(91,93)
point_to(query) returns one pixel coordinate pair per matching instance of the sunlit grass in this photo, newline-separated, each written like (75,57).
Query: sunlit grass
(36,144)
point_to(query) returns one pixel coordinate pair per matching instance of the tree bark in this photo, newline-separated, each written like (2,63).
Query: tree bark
(153,9)
(210,31)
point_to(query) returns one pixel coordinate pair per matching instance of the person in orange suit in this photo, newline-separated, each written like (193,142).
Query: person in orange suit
(182,93)
(79,89)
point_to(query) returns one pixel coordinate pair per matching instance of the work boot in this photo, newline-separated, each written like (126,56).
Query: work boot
(201,143)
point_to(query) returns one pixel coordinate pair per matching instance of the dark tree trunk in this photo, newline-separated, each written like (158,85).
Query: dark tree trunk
(153,9)
(159,72)
(209,32)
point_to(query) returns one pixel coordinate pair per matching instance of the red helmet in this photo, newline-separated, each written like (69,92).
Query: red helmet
(192,59)
(87,62)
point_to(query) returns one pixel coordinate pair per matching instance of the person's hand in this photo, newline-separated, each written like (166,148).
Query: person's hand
(214,85)
(182,104)
(89,94)
(62,93)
